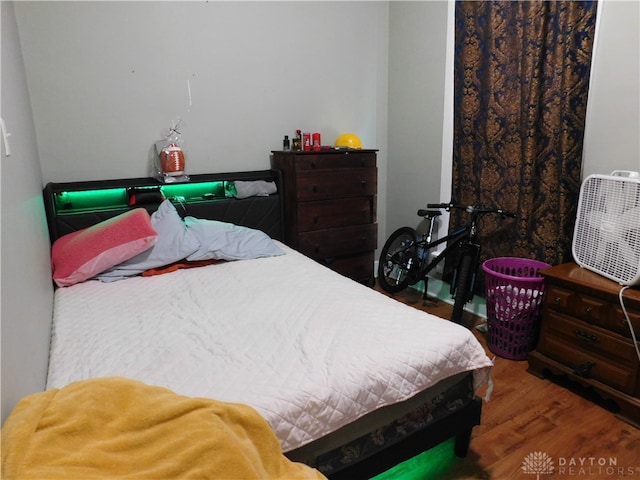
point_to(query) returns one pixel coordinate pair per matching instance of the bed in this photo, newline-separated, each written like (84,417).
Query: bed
(351,381)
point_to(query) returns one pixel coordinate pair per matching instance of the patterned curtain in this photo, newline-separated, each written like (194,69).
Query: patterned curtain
(521,82)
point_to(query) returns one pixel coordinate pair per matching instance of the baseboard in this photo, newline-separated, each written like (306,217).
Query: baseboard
(441,290)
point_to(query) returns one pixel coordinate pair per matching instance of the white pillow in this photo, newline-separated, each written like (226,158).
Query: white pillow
(174,242)
(226,241)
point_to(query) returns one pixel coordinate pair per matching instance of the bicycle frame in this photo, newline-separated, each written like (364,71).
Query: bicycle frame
(404,258)
(456,239)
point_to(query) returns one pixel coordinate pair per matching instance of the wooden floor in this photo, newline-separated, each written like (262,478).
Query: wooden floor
(527,414)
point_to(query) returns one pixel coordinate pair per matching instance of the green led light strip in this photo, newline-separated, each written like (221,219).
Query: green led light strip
(434,463)
(195,191)
(109,198)
(90,199)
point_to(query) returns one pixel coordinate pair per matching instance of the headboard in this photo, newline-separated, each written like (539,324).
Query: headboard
(73,206)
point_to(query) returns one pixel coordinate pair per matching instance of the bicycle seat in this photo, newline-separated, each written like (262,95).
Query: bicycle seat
(429,213)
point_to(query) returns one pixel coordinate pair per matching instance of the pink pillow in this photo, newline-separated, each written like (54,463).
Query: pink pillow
(80,255)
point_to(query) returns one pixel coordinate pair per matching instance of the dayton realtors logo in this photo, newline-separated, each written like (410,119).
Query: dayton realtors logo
(539,463)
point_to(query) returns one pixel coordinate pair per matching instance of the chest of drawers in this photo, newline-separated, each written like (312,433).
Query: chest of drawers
(330,207)
(584,336)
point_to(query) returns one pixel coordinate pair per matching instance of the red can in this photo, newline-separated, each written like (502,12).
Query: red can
(306,141)
(315,142)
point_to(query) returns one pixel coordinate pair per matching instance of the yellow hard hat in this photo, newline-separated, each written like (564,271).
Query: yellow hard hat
(348,140)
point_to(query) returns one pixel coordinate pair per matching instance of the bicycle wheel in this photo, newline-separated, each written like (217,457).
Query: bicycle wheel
(398,260)
(462,281)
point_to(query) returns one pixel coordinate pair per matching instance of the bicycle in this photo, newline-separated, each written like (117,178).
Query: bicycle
(404,259)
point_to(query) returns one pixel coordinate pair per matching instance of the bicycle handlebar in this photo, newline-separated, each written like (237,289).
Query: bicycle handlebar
(473,209)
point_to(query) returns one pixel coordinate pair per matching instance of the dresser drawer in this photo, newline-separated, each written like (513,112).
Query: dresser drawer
(590,338)
(337,242)
(589,309)
(598,368)
(558,298)
(339,212)
(325,184)
(618,323)
(576,344)
(335,160)
(357,267)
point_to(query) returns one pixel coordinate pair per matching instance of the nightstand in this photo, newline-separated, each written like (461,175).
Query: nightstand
(584,336)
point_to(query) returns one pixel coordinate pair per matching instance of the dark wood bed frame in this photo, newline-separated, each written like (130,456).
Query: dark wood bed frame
(264,213)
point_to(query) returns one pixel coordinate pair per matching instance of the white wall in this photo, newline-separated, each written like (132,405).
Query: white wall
(106,78)
(417,45)
(27,293)
(612,130)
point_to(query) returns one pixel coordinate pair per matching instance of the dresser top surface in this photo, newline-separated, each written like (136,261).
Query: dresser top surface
(325,151)
(581,277)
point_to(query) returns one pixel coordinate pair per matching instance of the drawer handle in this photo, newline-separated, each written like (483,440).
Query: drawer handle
(363,183)
(315,219)
(584,370)
(314,189)
(588,310)
(313,164)
(586,336)
(557,300)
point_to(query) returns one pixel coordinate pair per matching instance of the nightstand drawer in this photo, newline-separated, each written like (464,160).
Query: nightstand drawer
(336,242)
(618,322)
(557,298)
(324,184)
(589,309)
(590,338)
(339,212)
(589,365)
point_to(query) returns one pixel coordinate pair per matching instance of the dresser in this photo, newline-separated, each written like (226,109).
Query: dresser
(584,336)
(330,207)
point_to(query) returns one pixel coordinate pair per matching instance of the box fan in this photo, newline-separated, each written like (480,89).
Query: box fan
(606,238)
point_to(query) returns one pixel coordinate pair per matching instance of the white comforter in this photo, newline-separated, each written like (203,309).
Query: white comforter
(309,349)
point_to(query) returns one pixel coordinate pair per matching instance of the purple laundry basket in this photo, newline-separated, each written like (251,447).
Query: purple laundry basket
(514,290)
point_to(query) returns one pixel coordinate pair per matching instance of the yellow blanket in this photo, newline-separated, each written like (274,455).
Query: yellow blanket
(119,428)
